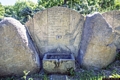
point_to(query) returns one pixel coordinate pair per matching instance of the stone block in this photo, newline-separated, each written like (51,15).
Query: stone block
(56,27)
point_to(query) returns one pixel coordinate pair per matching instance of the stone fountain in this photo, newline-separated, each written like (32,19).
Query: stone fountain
(58,62)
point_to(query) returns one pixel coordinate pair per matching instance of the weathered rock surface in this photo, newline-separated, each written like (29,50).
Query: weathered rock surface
(55,63)
(56,29)
(113,18)
(17,52)
(97,48)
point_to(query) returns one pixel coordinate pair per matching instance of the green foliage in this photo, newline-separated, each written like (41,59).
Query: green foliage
(2,11)
(104,4)
(83,6)
(117,4)
(71,71)
(23,10)
(118,56)
(19,5)
(25,74)
(115,76)
(50,3)
(9,12)
(7,79)
(30,79)
(45,77)
(89,75)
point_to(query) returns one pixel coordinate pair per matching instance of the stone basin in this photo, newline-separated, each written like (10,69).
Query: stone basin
(58,62)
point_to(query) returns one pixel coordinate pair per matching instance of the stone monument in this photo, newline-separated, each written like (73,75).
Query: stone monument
(56,28)
(60,36)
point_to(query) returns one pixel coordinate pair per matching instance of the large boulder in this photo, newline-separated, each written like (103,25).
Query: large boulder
(113,19)
(56,29)
(17,52)
(97,48)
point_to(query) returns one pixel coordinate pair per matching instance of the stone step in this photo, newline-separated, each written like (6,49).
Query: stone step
(58,77)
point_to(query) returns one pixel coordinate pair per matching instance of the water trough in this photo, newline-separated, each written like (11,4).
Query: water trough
(58,62)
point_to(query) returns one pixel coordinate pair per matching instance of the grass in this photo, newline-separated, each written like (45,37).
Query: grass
(89,75)
(115,76)
(118,56)
(86,75)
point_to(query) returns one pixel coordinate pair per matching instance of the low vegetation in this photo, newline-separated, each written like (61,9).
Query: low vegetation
(22,10)
(111,71)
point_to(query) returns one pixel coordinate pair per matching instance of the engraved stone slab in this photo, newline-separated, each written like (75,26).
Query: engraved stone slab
(58,62)
(56,27)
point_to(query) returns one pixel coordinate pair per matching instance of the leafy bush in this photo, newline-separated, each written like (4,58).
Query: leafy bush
(117,4)
(2,11)
(22,10)
(115,76)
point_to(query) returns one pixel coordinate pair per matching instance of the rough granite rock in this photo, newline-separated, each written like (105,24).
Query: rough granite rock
(17,52)
(97,48)
(56,29)
(113,18)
